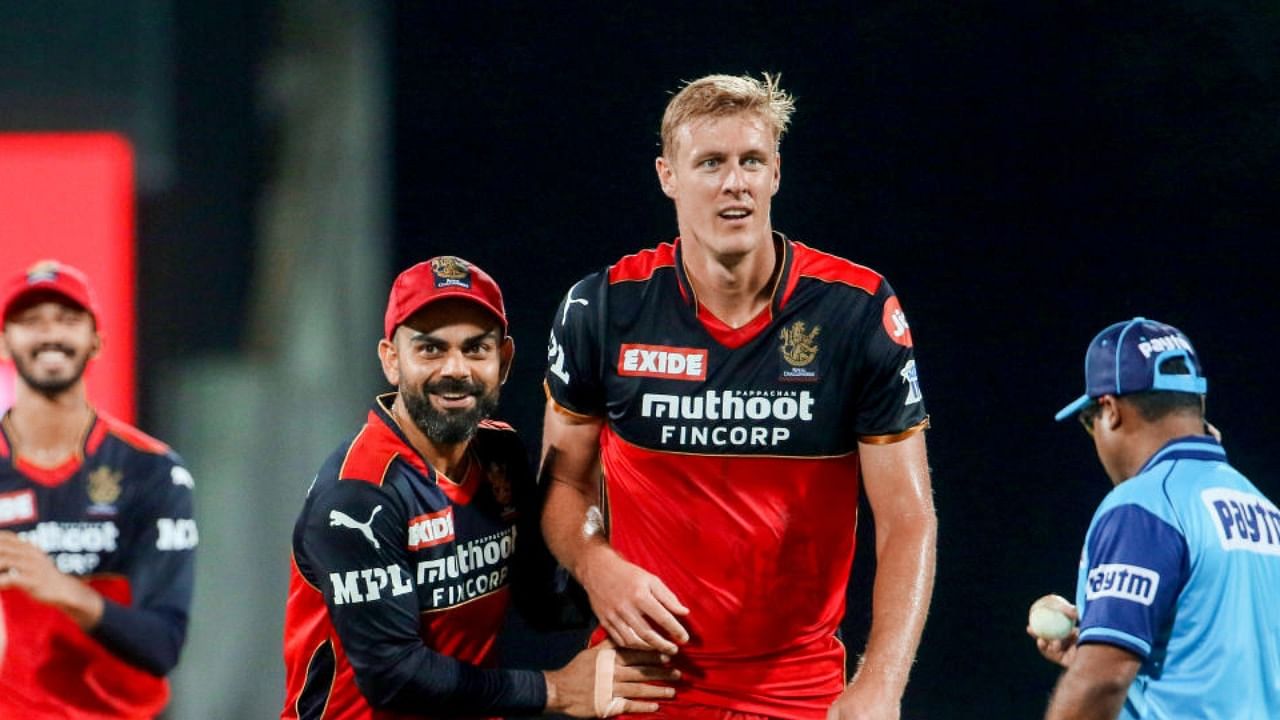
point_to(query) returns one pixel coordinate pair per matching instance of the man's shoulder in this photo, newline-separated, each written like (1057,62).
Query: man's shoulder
(825,267)
(131,436)
(641,266)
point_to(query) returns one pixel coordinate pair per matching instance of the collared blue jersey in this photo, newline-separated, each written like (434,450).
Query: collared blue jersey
(1181,566)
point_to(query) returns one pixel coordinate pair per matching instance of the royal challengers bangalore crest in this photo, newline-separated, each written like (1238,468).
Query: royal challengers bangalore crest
(104,487)
(799,348)
(451,271)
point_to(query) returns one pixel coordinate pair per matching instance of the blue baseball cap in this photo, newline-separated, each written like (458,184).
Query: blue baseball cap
(1129,357)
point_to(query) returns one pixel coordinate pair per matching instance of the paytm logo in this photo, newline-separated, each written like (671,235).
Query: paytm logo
(660,361)
(431,529)
(1126,582)
(1244,521)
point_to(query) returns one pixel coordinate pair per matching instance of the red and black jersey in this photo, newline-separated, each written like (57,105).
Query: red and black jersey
(402,576)
(118,514)
(730,455)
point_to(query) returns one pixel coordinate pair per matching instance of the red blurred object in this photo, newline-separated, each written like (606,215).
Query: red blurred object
(70,197)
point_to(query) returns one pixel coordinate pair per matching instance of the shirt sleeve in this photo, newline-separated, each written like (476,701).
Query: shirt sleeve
(368,586)
(150,632)
(1135,566)
(887,392)
(574,380)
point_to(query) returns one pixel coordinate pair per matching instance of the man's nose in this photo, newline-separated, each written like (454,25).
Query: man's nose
(455,365)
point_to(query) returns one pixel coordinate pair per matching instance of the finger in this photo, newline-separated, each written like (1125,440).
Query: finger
(668,598)
(636,706)
(633,690)
(643,637)
(628,656)
(662,617)
(646,673)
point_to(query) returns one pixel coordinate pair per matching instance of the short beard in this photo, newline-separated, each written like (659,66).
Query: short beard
(49,387)
(449,427)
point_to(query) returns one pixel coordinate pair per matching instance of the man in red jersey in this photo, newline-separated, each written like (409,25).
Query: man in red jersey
(418,533)
(734,386)
(97,537)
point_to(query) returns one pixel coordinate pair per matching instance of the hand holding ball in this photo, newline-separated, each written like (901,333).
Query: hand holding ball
(1049,618)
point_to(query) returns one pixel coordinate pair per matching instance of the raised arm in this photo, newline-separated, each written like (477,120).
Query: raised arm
(896,479)
(634,606)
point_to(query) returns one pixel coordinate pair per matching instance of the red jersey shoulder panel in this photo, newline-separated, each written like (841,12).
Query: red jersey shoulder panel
(372,452)
(130,435)
(640,266)
(830,268)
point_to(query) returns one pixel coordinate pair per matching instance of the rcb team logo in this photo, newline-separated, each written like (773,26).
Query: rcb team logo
(451,272)
(799,347)
(104,487)
(43,271)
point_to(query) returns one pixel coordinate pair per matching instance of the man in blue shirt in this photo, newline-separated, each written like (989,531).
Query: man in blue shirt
(1180,571)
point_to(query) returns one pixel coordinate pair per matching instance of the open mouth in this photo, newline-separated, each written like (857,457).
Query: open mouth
(735,214)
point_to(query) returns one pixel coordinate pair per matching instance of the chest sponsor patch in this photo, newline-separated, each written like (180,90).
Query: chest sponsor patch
(1126,582)
(17,507)
(431,529)
(661,361)
(1244,521)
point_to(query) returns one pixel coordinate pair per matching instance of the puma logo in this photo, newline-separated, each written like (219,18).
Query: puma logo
(570,301)
(337,518)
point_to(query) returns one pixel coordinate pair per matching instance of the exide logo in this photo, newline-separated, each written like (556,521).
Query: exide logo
(431,529)
(660,361)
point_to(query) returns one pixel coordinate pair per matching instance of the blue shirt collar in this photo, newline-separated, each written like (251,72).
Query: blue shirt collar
(1191,447)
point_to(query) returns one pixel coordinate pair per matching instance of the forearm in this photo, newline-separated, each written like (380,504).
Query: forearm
(571,536)
(905,560)
(147,639)
(1078,698)
(420,677)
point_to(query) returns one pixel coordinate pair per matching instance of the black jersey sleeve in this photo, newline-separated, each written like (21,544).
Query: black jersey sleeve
(150,632)
(887,394)
(574,379)
(354,538)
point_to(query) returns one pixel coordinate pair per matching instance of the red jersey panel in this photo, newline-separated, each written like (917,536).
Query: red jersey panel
(730,456)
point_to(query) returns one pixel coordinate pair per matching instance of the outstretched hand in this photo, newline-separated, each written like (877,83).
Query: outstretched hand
(604,681)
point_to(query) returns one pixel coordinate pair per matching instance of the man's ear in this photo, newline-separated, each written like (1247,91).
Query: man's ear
(1111,413)
(666,176)
(506,354)
(389,356)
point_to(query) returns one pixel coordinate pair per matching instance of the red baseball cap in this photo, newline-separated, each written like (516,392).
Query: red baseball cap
(441,278)
(50,276)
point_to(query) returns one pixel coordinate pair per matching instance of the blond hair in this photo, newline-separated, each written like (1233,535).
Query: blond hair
(723,95)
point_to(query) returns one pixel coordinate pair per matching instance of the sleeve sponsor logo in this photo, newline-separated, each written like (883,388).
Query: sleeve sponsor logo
(180,476)
(337,518)
(1244,521)
(359,586)
(431,529)
(17,507)
(661,361)
(895,322)
(176,534)
(555,359)
(912,378)
(1125,582)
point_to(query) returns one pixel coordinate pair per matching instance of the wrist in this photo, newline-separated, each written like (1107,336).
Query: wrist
(595,552)
(82,603)
(553,693)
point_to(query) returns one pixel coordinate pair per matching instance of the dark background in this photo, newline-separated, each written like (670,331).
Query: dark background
(1023,173)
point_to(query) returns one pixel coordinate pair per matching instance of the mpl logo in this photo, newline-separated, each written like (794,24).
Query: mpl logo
(661,361)
(17,507)
(431,529)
